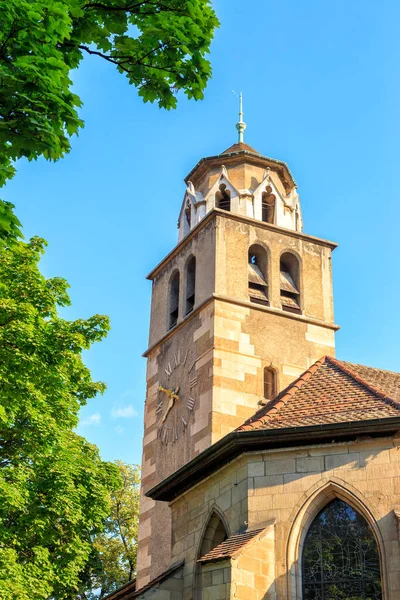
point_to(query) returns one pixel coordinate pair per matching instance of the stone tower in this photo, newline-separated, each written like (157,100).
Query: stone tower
(240,308)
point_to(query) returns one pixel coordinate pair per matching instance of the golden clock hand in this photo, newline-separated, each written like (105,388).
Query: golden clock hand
(166,391)
(170,405)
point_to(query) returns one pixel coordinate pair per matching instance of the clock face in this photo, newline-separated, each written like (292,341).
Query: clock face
(177,395)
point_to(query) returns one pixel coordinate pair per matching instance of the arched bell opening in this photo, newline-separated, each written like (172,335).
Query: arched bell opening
(258,274)
(290,283)
(188,215)
(223,198)
(268,201)
(173,300)
(190,299)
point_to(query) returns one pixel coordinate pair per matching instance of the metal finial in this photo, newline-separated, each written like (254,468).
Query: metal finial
(241,125)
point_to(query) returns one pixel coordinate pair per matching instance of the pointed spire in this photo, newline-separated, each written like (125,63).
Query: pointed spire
(241,125)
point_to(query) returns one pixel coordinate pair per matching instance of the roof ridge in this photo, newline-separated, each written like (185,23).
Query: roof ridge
(348,362)
(357,377)
(282,398)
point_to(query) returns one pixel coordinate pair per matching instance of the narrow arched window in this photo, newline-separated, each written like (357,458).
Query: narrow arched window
(290,283)
(297,220)
(188,215)
(173,300)
(214,535)
(258,275)
(340,557)
(268,205)
(270,388)
(190,285)
(223,198)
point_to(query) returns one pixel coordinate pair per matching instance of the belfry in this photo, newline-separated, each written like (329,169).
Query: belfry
(271,470)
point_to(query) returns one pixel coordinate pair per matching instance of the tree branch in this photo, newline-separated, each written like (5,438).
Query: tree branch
(132,8)
(119,61)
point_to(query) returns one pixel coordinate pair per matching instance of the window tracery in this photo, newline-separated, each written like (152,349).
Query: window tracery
(340,557)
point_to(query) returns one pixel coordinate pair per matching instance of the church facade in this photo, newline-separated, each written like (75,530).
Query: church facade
(271,470)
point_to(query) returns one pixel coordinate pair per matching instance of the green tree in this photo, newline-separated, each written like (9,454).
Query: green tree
(161,47)
(113,561)
(55,491)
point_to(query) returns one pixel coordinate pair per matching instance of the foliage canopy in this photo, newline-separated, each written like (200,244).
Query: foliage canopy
(160,46)
(55,490)
(113,561)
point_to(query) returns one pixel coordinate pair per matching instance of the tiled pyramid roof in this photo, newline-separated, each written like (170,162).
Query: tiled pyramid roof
(229,547)
(331,391)
(240,147)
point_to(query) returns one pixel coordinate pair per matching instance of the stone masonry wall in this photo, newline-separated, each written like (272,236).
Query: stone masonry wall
(291,487)
(253,570)
(216,580)
(231,340)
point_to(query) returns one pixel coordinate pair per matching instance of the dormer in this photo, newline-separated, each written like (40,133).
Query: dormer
(242,181)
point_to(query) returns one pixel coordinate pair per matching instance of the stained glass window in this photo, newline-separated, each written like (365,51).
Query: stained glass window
(340,557)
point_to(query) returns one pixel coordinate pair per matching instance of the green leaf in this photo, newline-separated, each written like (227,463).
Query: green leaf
(55,489)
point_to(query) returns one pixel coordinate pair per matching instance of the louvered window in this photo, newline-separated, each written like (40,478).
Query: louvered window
(190,285)
(257,275)
(289,283)
(174,300)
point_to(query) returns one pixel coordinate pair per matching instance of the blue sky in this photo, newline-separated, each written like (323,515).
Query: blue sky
(321,92)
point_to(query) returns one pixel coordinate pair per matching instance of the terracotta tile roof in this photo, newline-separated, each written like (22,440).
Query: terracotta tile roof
(387,381)
(230,547)
(331,391)
(239,147)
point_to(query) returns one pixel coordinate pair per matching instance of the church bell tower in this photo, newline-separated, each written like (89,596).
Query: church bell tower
(240,308)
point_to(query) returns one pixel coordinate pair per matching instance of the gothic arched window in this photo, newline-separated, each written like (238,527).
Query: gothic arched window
(223,198)
(190,285)
(258,275)
(270,388)
(340,557)
(214,534)
(268,205)
(173,300)
(290,283)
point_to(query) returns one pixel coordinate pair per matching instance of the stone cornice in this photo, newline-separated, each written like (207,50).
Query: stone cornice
(241,156)
(237,443)
(253,305)
(213,215)
(181,324)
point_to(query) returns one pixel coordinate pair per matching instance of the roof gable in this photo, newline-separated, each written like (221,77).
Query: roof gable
(331,391)
(230,547)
